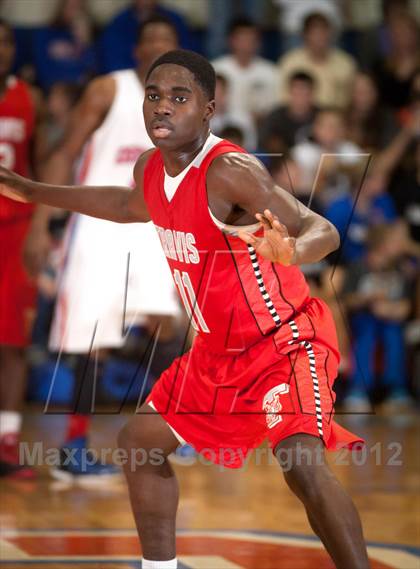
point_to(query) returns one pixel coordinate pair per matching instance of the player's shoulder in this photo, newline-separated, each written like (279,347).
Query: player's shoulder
(141,163)
(233,168)
(235,158)
(17,85)
(23,90)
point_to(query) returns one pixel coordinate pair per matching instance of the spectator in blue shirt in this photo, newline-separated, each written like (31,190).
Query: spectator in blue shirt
(63,51)
(353,215)
(377,293)
(120,36)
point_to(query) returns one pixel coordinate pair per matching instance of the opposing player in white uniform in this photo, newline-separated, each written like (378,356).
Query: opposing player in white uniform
(112,275)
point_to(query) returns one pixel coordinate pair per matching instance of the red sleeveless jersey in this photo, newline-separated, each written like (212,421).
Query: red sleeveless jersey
(233,297)
(17,119)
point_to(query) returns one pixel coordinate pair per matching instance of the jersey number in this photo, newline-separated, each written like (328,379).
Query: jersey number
(186,291)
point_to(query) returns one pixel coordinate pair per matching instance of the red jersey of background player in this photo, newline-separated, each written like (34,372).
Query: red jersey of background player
(17,120)
(233,298)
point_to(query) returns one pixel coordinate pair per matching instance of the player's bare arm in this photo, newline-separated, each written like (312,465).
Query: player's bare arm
(58,168)
(114,203)
(240,189)
(87,116)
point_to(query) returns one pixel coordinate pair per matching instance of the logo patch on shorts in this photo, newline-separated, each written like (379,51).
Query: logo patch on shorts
(272,405)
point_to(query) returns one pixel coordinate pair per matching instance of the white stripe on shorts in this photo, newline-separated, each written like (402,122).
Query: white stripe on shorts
(179,438)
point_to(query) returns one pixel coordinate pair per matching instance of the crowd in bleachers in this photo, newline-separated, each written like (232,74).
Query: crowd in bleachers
(327,94)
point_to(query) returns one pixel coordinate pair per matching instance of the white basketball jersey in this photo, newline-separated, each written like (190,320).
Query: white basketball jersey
(112,273)
(113,149)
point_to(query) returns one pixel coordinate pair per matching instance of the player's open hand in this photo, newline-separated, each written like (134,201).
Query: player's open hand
(275,245)
(13,186)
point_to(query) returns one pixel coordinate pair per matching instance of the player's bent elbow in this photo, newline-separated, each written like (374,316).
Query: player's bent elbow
(334,237)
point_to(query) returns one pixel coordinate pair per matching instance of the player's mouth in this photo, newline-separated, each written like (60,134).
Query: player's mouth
(161,129)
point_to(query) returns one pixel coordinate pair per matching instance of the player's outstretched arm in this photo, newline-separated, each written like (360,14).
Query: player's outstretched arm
(115,203)
(293,234)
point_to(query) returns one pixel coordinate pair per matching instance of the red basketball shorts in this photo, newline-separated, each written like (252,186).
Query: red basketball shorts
(226,405)
(17,293)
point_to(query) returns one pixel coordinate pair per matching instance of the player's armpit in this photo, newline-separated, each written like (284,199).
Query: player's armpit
(136,205)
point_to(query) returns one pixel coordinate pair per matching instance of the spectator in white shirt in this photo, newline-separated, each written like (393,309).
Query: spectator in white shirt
(332,68)
(252,80)
(238,119)
(327,160)
(293,12)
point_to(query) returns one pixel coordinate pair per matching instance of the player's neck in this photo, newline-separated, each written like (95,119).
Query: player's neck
(176,160)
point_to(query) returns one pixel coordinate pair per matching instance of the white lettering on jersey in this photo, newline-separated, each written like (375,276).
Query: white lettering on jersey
(178,245)
(12,129)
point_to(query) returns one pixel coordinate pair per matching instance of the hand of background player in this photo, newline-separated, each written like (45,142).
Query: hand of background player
(275,245)
(13,186)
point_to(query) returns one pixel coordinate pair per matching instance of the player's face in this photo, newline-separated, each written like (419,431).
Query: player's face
(156,39)
(7,51)
(176,110)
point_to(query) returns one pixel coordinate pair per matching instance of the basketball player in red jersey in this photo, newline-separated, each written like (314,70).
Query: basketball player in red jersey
(265,357)
(19,111)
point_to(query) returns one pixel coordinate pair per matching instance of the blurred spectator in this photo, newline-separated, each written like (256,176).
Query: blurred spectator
(406,193)
(369,124)
(395,72)
(292,15)
(370,21)
(251,79)
(289,124)
(332,68)
(327,159)
(399,155)
(285,172)
(354,214)
(120,36)
(409,113)
(224,118)
(221,13)
(60,100)
(377,294)
(233,134)
(63,50)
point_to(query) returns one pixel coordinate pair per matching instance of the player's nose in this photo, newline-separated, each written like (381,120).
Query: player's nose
(163,108)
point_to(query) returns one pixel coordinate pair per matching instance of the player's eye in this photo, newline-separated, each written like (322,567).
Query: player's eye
(180,99)
(152,97)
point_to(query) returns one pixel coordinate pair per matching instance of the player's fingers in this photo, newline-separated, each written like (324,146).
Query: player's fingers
(249,238)
(280,228)
(270,216)
(262,219)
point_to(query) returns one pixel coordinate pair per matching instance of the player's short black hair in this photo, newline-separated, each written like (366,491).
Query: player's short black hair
(202,69)
(156,19)
(302,76)
(241,22)
(9,29)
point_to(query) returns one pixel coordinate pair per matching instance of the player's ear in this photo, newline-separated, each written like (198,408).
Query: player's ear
(209,112)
